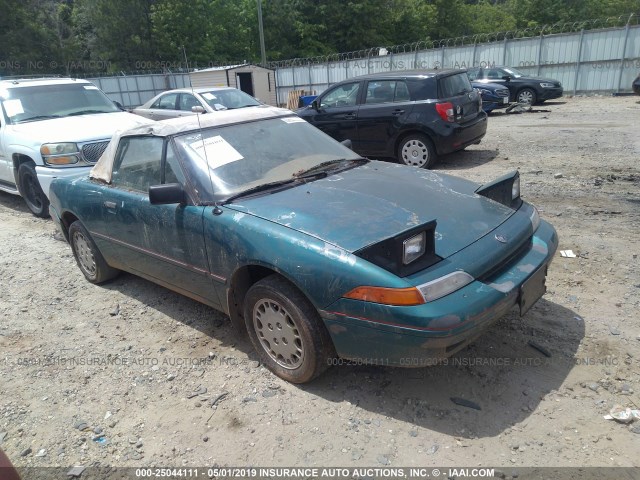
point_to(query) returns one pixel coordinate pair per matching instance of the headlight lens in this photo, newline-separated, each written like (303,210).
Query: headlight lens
(60,153)
(445,285)
(535,219)
(547,85)
(413,248)
(515,188)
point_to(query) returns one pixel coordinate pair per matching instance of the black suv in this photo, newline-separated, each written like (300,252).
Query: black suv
(523,89)
(412,116)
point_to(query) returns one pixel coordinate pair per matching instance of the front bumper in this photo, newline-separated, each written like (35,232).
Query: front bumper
(550,93)
(421,335)
(46,175)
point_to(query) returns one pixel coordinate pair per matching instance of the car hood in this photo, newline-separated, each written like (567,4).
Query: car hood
(80,128)
(539,79)
(367,204)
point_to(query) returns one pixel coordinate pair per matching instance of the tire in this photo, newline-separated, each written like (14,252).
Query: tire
(527,95)
(273,305)
(90,261)
(31,190)
(416,150)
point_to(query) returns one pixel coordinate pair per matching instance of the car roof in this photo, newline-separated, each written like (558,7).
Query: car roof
(198,90)
(441,72)
(188,123)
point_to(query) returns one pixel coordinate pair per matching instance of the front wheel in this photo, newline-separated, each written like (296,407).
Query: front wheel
(286,330)
(416,150)
(91,262)
(31,190)
(526,95)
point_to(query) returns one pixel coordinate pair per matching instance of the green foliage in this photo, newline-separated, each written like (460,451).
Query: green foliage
(88,36)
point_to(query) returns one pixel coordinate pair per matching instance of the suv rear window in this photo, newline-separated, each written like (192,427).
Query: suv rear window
(454,85)
(422,88)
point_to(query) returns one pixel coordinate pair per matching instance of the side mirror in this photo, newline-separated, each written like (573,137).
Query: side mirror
(118,104)
(198,109)
(167,194)
(315,105)
(506,78)
(347,143)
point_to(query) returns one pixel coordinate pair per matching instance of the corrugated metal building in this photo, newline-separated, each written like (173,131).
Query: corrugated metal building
(257,81)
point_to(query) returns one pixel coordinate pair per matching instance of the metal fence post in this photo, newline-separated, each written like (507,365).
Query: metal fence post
(475,47)
(504,51)
(540,53)
(310,81)
(624,52)
(575,83)
(442,57)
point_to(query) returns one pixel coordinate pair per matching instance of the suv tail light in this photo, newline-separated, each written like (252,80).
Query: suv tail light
(445,110)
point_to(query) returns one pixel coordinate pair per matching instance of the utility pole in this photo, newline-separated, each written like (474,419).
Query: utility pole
(263,53)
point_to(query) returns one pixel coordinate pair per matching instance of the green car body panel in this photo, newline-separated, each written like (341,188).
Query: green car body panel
(311,234)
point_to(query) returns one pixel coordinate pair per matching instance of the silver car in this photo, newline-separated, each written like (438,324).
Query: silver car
(187,101)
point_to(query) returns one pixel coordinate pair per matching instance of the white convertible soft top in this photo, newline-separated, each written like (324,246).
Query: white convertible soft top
(104,166)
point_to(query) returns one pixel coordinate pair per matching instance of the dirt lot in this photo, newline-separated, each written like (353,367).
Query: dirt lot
(125,374)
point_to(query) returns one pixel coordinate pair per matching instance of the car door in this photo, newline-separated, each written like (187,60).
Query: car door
(166,106)
(162,242)
(385,109)
(337,112)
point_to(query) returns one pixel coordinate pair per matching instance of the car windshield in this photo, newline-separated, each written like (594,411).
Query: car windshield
(225,161)
(42,102)
(228,99)
(513,72)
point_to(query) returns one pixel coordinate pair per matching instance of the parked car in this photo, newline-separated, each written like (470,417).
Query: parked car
(311,249)
(636,85)
(412,116)
(494,95)
(524,89)
(187,101)
(49,128)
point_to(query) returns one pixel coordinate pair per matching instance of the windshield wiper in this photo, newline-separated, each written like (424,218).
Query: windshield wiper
(298,180)
(38,117)
(257,189)
(330,165)
(87,112)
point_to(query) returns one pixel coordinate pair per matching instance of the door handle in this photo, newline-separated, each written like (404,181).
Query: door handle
(397,112)
(350,116)
(109,204)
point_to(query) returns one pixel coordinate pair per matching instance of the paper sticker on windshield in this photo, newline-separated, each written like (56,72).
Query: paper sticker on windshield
(293,120)
(217,151)
(209,96)
(13,107)
(90,87)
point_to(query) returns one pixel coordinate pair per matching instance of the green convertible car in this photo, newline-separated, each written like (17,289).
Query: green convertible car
(317,253)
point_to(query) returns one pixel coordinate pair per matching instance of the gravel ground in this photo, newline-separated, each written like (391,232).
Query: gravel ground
(131,374)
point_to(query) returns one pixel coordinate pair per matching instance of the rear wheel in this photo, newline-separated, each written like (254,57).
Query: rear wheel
(526,95)
(416,150)
(31,190)
(91,262)
(286,330)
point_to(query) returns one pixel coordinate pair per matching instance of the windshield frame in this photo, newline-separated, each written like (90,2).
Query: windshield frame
(513,72)
(201,173)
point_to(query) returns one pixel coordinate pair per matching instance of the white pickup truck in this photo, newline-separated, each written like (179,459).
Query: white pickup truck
(53,127)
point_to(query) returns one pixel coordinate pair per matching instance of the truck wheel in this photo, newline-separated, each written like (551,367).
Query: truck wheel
(31,190)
